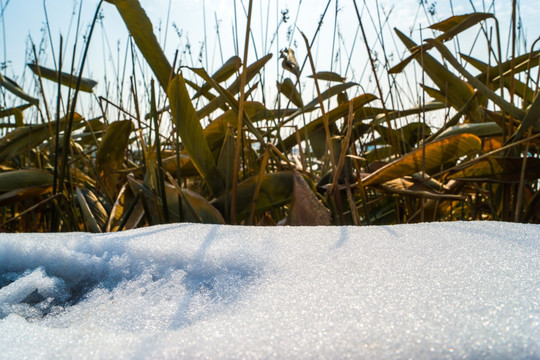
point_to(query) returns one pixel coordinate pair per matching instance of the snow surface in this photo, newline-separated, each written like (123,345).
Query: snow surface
(426,291)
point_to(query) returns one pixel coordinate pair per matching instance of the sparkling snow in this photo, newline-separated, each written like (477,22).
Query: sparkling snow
(426,291)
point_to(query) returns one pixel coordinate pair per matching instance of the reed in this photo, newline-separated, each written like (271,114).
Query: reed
(236,147)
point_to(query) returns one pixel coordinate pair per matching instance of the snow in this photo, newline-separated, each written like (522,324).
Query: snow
(425,291)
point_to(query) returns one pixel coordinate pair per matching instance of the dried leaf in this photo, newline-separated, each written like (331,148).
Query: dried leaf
(190,131)
(25,138)
(18,179)
(306,209)
(329,76)
(66,79)
(141,30)
(223,73)
(499,170)
(478,129)
(437,153)
(15,89)
(93,211)
(111,152)
(288,89)
(234,89)
(333,115)
(276,190)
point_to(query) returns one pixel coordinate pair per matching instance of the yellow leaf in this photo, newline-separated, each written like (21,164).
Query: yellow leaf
(437,154)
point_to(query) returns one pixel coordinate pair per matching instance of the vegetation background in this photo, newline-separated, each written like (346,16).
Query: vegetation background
(349,122)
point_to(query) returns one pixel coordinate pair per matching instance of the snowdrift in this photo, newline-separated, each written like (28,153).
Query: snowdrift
(426,291)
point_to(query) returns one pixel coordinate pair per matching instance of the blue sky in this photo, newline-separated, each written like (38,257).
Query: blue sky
(23,20)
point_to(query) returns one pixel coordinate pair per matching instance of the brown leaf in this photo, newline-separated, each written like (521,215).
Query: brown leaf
(306,209)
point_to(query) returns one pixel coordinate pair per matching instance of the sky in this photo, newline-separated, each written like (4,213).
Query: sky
(191,22)
(460,290)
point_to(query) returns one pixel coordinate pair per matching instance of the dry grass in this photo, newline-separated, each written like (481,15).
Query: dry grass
(219,152)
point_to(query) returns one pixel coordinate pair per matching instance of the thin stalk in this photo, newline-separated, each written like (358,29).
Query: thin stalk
(379,89)
(522,182)
(423,115)
(239,120)
(127,213)
(344,147)
(54,220)
(321,104)
(30,209)
(41,90)
(262,170)
(161,181)
(57,135)
(329,145)
(67,133)
(190,207)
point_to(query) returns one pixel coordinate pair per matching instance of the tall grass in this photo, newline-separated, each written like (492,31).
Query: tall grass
(435,134)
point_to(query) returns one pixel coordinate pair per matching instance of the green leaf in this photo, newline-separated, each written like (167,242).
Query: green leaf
(437,153)
(66,79)
(141,30)
(190,131)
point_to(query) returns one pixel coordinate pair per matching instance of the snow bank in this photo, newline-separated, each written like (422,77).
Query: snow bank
(428,291)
